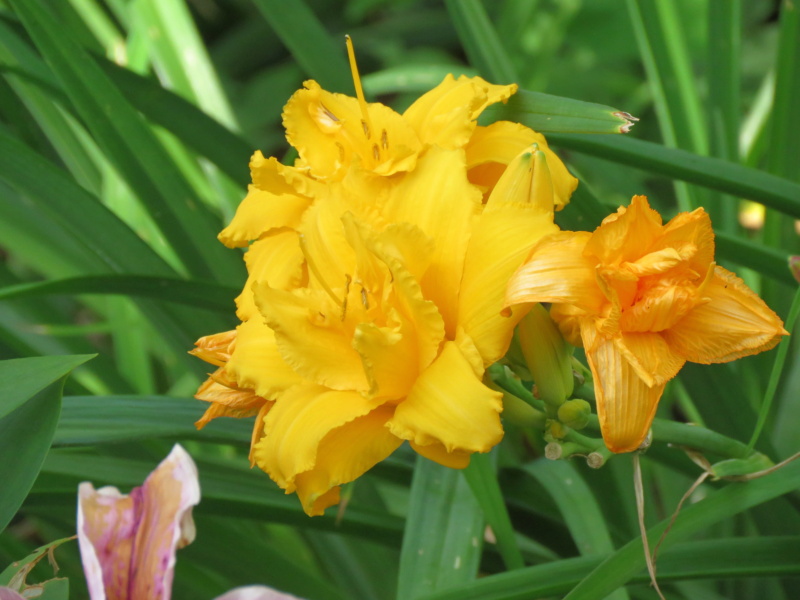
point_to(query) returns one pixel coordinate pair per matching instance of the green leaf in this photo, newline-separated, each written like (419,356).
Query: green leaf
(482,480)
(27,431)
(444,532)
(714,173)
(23,378)
(311,45)
(132,147)
(91,420)
(480,41)
(554,114)
(51,589)
(201,294)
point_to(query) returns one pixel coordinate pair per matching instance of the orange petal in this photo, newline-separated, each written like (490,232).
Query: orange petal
(436,452)
(215,349)
(449,405)
(734,322)
(345,454)
(627,235)
(226,398)
(650,356)
(690,231)
(557,271)
(295,427)
(626,405)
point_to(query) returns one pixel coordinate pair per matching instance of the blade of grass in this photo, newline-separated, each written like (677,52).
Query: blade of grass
(480,41)
(314,49)
(443,535)
(482,480)
(769,262)
(132,147)
(714,173)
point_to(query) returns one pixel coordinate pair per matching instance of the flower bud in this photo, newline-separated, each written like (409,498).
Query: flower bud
(548,355)
(575,413)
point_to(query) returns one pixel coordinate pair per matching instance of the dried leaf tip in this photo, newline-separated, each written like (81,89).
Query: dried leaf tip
(629,119)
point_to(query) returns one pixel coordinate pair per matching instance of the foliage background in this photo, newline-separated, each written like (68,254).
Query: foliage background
(113,185)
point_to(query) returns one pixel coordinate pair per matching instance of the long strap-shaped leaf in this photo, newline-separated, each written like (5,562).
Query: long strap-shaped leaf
(132,147)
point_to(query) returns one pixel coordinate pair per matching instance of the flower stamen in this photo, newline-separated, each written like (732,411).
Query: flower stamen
(362,102)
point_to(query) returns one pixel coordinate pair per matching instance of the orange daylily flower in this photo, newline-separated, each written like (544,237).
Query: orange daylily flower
(643,298)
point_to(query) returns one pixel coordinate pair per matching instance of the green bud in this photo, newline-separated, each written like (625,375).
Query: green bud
(548,355)
(519,412)
(575,413)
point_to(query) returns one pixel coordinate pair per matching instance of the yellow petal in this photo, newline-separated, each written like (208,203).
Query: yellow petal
(446,115)
(436,452)
(311,336)
(502,238)
(626,405)
(345,454)
(627,235)
(330,132)
(294,428)
(449,405)
(438,199)
(277,260)
(260,212)
(256,362)
(557,271)
(733,323)
(491,148)
(215,349)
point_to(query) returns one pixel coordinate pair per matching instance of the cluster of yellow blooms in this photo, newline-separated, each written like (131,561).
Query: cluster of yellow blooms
(378,268)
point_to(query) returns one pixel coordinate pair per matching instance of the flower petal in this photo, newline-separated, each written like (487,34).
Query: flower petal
(501,239)
(449,405)
(256,362)
(457,459)
(260,212)
(650,356)
(345,454)
(226,398)
(557,271)
(733,323)
(627,235)
(626,405)
(445,116)
(275,259)
(690,231)
(256,592)
(311,336)
(295,427)
(438,199)
(492,148)
(128,543)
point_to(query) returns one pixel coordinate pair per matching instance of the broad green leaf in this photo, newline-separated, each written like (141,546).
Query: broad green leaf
(27,431)
(482,480)
(51,589)
(767,261)
(200,294)
(314,49)
(443,537)
(714,173)
(23,378)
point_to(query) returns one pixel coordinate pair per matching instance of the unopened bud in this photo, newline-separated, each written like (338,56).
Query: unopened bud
(548,355)
(575,413)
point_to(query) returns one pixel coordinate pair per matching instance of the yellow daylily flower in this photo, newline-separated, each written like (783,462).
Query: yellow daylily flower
(377,268)
(643,298)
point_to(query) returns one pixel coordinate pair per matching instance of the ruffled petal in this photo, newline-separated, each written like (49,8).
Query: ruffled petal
(294,428)
(690,233)
(557,271)
(492,148)
(438,199)
(650,356)
(445,116)
(659,307)
(260,212)
(345,454)
(256,362)
(330,131)
(732,323)
(626,405)
(215,349)
(311,336)
(449,405)
(226,398)
(627,235)
(276,260)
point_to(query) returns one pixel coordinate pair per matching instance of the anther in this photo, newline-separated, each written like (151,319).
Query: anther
(384,140)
